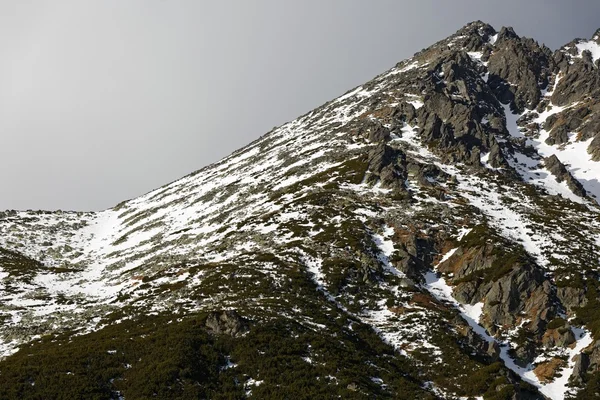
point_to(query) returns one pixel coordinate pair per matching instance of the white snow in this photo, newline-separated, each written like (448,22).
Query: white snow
(573,154)
(410,66)
(438,287)
(475,55)
(510,222)
(448,255)
(8,348)
(120,245)
(416,103)
(464,231)
(385,244)
(591,46)
(313,266)
(575,157)
(349,94)
(511,122)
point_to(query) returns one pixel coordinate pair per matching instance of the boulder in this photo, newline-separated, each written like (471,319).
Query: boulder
(227,322)
(582,363)
(388,166)
(560,172)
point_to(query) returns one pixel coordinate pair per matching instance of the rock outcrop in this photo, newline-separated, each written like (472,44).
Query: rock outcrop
(387,165)
(561,173)
(227,322)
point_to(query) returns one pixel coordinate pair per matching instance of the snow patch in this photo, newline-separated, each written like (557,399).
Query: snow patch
(386,248)
(590,46)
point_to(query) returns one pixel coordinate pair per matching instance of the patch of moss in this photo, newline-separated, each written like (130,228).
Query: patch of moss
(556,323)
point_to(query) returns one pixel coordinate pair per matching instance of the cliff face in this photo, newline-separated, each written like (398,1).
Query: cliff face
(434,232)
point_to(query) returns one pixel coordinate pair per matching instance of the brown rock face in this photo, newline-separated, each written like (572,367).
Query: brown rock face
(560,337)
(510,286)
(547,371)
(524,290)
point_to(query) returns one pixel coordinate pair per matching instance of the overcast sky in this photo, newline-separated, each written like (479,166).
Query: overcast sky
(101,101)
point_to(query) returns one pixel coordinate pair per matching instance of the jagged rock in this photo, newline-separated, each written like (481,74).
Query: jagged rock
(425,174)
(524,354)
(375,132)
(496,158)
(590,124)
(472,260)
(558,135)
(560,337)
(546,371)
(594,148)
(516,68)
(579,80)
(561,173)
(407,283)
(562,124)
(571,297)
(387,165)
(404,113)
(415,255)
(227,322)
(593,357)
(410,268)
(476,35)
(447,123)
(582,363)
(490,349)
(522,290)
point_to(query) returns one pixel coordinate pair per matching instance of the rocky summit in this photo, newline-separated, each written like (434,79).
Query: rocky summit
(431,234)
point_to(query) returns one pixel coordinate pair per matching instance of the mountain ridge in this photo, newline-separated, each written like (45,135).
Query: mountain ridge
(425,209)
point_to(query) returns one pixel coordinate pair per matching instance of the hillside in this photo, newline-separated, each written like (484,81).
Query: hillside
(433,233)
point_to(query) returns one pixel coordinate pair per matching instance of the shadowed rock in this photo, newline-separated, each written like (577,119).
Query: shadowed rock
(558,169)
(388,166)
(227,322)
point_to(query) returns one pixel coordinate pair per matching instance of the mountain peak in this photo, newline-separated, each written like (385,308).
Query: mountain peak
(477,27)
(507,32)
(443,213)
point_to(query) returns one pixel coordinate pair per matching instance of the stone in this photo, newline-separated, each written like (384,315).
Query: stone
(227,322)
(557,168)
(560,337)
(582,363)
(388,166)
(571,298)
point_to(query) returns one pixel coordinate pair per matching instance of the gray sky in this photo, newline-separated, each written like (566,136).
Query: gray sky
(101,101)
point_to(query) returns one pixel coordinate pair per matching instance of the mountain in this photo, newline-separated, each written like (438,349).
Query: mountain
(433,233)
